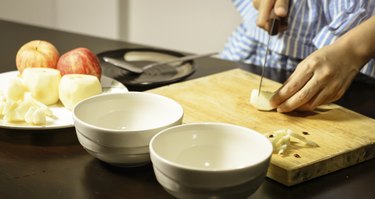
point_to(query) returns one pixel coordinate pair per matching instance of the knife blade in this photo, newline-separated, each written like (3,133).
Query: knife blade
(275,24)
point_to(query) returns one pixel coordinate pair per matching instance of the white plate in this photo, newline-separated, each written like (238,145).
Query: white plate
(64,117)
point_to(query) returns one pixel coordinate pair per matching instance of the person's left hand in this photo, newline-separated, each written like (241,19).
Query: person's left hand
(321,78)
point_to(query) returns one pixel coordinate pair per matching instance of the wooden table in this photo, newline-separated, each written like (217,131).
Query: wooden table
(52,164)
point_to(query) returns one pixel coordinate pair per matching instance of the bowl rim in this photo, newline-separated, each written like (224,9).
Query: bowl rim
(122,131)
(198,169)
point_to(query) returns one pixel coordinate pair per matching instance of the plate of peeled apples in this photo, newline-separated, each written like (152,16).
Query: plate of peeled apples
(44,89)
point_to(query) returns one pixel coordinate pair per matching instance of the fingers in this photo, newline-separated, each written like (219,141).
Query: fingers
(265,8)
(317,91)
(256,4)
(303,96)
(302,88)
(322,97)
(331,93)
(294,83)
(325,96)
(281,8)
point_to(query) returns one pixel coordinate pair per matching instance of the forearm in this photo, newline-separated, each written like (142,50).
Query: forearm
(359,42)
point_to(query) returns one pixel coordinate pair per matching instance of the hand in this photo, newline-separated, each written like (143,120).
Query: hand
(321,78)
(265,7)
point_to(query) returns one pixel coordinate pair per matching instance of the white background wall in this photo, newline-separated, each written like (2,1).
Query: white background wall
(195,26)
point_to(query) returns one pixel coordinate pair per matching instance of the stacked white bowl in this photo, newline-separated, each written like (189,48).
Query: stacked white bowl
(210,160)
(117,127)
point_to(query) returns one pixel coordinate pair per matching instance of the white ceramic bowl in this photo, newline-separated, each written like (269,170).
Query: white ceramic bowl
(117,127)
(210,160)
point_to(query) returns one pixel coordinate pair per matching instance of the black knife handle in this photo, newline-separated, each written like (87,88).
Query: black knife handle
(277,24)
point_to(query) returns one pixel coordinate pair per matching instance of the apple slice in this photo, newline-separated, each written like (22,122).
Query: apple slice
(15,90)
(43,83)
(36,116)
(261,101)
(74,88)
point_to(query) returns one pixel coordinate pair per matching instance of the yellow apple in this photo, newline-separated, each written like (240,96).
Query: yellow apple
(37,54)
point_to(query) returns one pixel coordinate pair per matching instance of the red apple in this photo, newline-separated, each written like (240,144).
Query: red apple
(37,54)
(79,61)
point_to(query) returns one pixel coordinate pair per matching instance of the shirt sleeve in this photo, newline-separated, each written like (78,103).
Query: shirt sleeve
(341,16)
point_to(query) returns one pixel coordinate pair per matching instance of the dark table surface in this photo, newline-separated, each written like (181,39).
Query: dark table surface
(52,163)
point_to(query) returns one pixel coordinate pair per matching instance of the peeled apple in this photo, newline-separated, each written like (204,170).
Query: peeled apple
(15,90)
(261,101)
(77,87)
(43,83)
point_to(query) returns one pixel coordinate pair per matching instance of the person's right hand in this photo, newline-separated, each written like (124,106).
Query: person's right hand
(265,7)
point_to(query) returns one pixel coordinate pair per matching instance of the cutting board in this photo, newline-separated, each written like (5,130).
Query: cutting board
(344,137)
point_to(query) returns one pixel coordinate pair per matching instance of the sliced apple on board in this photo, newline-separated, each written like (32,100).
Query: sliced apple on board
(261,101)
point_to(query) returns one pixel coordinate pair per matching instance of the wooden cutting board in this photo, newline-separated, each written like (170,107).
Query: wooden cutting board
(344,137)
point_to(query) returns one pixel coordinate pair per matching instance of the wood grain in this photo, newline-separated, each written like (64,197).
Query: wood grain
(344,137)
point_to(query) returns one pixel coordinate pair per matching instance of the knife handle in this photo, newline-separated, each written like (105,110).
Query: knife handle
(277,24)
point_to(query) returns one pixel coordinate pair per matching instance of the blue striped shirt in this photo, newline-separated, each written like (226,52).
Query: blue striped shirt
(311,25)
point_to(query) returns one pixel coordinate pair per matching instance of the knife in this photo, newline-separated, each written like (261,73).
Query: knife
(275,23)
